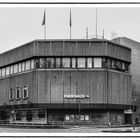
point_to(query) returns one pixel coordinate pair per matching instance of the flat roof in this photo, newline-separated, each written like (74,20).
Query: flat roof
(83,40)
(68,40)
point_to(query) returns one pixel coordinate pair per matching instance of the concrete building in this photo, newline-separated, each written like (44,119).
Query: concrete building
(69,81)
(134,68)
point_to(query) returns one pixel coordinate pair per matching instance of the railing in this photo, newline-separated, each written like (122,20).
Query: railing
(4,121)
(48,124)
(41,124)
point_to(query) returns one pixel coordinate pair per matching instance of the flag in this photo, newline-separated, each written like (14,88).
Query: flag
(43,22)
(70,19)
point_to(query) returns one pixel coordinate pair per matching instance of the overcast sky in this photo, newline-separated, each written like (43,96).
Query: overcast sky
(19,25)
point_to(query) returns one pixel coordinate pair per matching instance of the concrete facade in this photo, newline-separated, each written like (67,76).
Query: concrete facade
(134,67)
(36,77)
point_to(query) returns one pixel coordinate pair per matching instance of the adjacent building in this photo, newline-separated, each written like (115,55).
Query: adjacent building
(134,68)
(68,81)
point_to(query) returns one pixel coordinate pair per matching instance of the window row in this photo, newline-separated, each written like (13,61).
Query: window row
(43,63)
(16,94)
(115,64)
(29,114)
(89,62)
(68,62)
(19,67)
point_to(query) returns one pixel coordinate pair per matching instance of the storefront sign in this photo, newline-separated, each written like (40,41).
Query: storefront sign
(129,111)
(76,96)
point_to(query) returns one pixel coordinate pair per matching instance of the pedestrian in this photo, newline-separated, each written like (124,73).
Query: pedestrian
(109,124)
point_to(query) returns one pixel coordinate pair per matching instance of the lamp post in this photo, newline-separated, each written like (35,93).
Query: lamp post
(133,114)
(79,111)
(79,97)
(85,97)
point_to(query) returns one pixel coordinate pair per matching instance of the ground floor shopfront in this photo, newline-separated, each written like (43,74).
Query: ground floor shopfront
(64,115)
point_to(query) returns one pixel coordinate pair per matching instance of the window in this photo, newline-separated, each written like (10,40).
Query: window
(81,117)
(104,62)
(113,65)
(15,68)
(97,63)
(32,64)
(27,65)
(19,67)
(23,66)
(37,63)
(72,117)
(127,67)
(3,71)
(123,66)
(29,115)
(11,94)
(66,62)
(89,62)
(11,69)
(18,93)
(67,118)
(50,62)
(108,62)
(25,92)
(7,70)
(18,115)
(87,117)
(41,114)
(58,63)
(81,62)
(118,65)
(73,62)
(42,63)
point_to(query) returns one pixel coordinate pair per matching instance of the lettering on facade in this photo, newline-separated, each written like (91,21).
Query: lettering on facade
(76,96)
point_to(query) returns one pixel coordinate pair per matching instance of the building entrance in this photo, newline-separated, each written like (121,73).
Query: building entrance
(128,118)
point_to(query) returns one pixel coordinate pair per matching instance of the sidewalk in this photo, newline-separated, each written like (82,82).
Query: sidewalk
(76,128)
(122,130)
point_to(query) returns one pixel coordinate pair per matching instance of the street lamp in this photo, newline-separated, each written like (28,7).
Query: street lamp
(79,111)
(133,114)
(79,97)
(85,97)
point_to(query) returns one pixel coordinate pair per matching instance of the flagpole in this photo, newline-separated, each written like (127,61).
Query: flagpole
(96,23)
(70,32)
(86,32)
(44,23)
(45,26)
(70,23)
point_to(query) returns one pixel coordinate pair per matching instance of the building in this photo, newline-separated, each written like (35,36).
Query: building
(134,68)
(71,81)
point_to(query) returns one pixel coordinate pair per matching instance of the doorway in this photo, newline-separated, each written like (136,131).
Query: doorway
(128,118)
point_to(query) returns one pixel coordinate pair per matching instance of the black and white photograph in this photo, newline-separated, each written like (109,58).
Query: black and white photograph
(70,69)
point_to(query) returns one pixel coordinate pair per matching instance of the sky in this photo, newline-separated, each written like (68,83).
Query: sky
(22,24)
